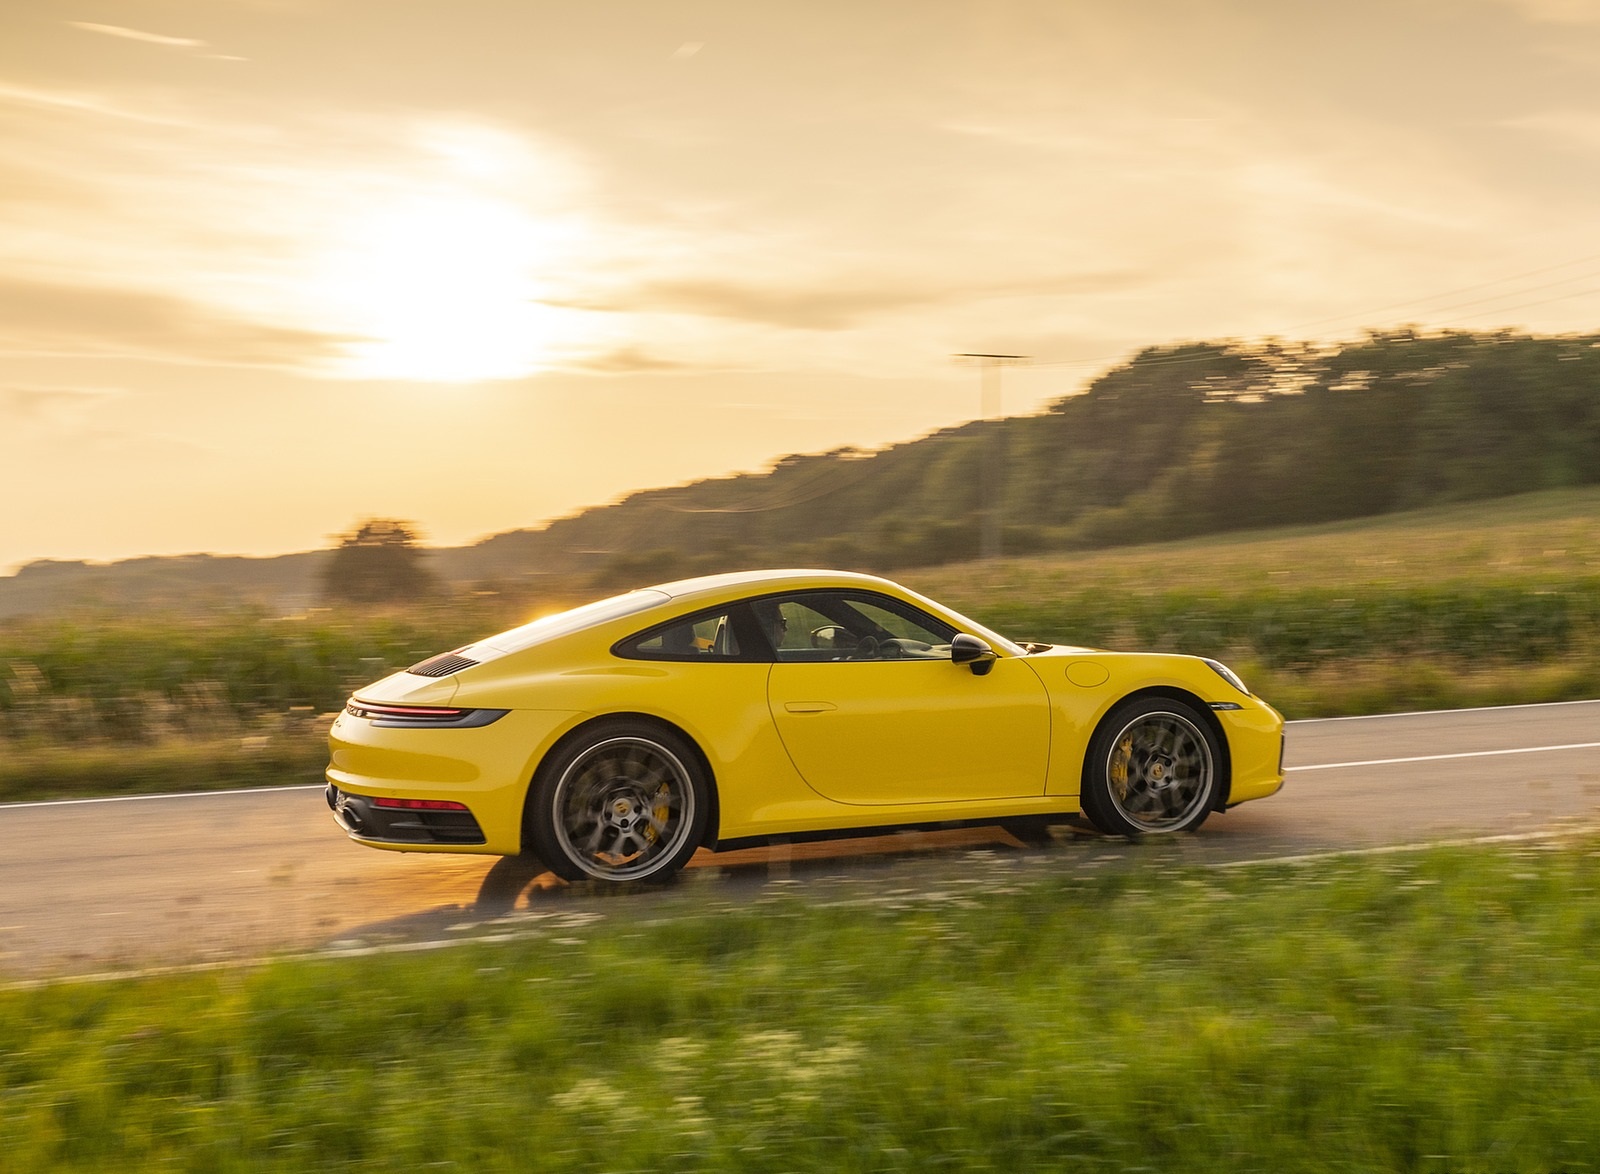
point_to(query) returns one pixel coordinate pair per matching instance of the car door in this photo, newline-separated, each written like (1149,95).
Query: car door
(872,710)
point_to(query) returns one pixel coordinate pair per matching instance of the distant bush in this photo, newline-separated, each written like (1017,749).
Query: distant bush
(379,561)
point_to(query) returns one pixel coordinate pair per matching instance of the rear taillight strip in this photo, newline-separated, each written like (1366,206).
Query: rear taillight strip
(422,716)
(420,804)
(419,712)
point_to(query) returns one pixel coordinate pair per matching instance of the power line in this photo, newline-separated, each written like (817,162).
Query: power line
(1426,303)
(992,460)
(1452,292)
(1540,302)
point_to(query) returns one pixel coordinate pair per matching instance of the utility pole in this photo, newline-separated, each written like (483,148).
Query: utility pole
(992,464)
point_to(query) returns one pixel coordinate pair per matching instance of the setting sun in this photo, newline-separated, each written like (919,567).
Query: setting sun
(444,289)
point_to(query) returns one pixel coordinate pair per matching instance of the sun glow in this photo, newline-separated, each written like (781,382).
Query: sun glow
(442,289)
(445,278)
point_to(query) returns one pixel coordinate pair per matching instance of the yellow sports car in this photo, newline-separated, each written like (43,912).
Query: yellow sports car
(613,740)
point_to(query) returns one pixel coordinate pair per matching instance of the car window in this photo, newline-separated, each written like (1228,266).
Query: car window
(565,623)
(702,637)
(849,626)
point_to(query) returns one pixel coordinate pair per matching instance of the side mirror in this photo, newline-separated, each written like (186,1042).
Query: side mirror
(969,650)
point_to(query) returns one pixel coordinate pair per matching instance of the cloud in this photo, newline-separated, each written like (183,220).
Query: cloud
(801,309)
(38,317)
(113,30)
(423,254)
(629,361)
(81,103)
(31,414)
(90,420)
(836,307)
(33,402)
(1573,129)
(1557,11)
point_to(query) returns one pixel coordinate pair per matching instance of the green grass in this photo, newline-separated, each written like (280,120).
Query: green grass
(133,674)
(289,757)
(1293,628)
(1529,540)
(1419,1012)
(1394,685)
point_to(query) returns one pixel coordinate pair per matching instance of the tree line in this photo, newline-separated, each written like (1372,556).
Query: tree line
(1180,441)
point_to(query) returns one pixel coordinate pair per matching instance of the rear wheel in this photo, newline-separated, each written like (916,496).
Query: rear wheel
(1152,768)
(626,801)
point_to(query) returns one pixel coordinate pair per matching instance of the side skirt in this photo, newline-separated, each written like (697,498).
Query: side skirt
(883,829)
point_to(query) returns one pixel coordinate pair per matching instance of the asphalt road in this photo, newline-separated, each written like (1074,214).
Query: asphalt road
(99,886)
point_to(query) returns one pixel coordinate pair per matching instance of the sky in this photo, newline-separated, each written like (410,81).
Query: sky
(270,267)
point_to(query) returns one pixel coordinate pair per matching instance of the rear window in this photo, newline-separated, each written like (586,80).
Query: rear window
(706,636)
(565,623)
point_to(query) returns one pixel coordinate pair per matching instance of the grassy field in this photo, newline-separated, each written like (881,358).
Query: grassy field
(1536,538)
(1417,1012)
(1485,603)
(1493,603)
(39,770)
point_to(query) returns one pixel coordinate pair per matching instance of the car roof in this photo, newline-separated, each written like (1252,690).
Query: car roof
(743,582)
(710,590)
(636,606)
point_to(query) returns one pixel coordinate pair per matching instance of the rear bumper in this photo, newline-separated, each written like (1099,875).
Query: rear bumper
(363,819)
(485,770)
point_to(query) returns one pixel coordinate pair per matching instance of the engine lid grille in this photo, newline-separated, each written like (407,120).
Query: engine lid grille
(441,666)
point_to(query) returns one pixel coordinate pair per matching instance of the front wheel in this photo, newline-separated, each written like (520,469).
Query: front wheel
(626,801)
(1152,768)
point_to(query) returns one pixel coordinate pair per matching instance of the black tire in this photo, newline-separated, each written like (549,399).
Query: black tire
(1153,768)
(626,801)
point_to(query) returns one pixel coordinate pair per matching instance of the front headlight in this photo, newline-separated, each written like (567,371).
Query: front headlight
(1226,674)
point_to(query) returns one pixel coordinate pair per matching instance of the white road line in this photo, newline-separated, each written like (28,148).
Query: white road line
(1373,717)
(1423,846)
(1442,757)
(147,798)
(327,954)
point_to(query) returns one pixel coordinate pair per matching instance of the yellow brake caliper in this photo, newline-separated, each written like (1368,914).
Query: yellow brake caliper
(1119,766)
(659,812)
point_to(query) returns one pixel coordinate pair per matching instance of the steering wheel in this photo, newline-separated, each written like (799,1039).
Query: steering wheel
(832,636)
(866,649)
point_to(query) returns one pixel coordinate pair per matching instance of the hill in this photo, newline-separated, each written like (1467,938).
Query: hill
(1182,441)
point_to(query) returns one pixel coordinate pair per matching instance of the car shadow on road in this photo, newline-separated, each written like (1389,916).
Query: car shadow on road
(747,868)
(517,893)
(748,871)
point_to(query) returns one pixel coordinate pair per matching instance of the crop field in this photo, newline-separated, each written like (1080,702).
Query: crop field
(1486,603)
(1536,538)
(1493,603)
(1430,1012)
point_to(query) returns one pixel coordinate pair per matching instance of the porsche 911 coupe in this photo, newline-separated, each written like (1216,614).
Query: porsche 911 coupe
(614,740)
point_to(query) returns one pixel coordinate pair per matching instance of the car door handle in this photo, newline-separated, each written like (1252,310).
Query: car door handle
(809,706)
